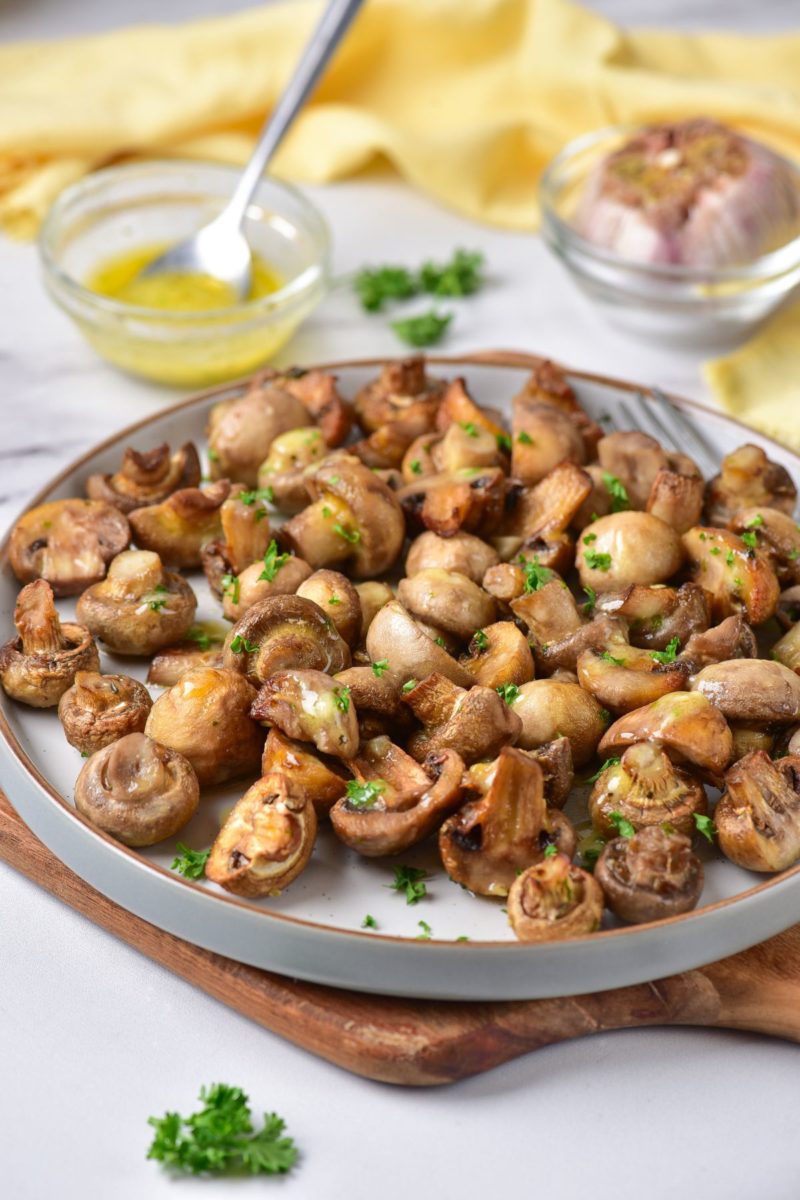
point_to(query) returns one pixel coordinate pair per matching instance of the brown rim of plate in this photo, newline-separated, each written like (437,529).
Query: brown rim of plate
(519,360)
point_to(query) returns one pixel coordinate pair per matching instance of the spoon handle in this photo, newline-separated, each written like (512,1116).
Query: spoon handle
(333,25)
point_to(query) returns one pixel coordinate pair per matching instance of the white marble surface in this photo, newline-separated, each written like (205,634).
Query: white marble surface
(93,1038)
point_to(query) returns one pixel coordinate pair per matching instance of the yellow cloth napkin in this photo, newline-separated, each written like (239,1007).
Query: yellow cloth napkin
(468,99)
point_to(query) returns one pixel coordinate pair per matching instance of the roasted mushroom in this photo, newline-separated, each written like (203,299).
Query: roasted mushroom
(318,777)
(206,717)
(645,789)
(336,596)
(553,708)
(282,632)
(775,532)
(686,724)
(311,707)
(751,689)
(758,816)
(448,600)
(179,527)
(100,709)
(738,578)
(655,616)
(273,575)
(491,839)
(139,607)
(650,876)
(787,649)
(732,638)
(202,648)
(396,638)
(372,595)
(463,552)
(633,460)
(147,477)
(543,436)
(67,542)
(625,548)
(748,479)
(469,500)
(537,518)
(376,692)
(283,472)
(245,538)
(676,499)
(266,841)
(622,677)
(402,389)
(499,654)
(137,790)
(41,661)
(393,802)
(554,900)
(476,723)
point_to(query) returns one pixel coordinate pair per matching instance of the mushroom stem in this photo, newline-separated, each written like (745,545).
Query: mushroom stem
(320,533)
(245,532)
(134,575)
(37,620)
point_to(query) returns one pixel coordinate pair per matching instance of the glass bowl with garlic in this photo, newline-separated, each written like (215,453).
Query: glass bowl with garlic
(685,233)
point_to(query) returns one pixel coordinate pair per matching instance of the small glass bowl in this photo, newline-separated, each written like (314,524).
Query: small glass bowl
(698,309)
(159,203)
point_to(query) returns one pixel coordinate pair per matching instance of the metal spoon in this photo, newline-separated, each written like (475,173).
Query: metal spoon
(220,249)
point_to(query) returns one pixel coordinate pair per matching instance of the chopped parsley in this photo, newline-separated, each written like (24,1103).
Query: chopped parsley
(705,826)
(470,428)
(508,691)
(369,922)
(524,438)
(730,558)
(409,685)
(249,498)
(240,644)
(190,863)
(416,467)
(425,936)
(750,539)
(609,762)
(379,667)
(617,491)
(203,639)
(607,657)
(591,600)
(364,795)
(462,938)
(480,639)
(536,576)
(213,455)
(231,587)
(374,286)
(668,654)
(461,276)
(335,600)
(350,535)
(273,561)
(425,329)
(715,550)
(590,537)
(596,561)
(409,881)
(551,851)
(503,442)
(793,554)
(754,522)
(342,698)
(622,825)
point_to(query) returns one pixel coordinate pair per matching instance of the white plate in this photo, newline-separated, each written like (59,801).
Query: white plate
(313,930)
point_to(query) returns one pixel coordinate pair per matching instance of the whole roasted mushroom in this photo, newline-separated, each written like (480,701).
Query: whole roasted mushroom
(179,527)
(282,632)
(139,607)
(137,790)
(553,900)
(737,577)
(686,724)
(41,661)
(266,841)
(476,723)
(100,709)
(676,499)
(553,708)
(748,479)
(650,876)
(758,816)
(543,436)
(318,777)
(632,459)
(396,638)
(311,707)
(147,477)
(645,789)
(67,542)
(491,839)
(463,552)
(394,802)
(625,548)
(448,600)
(336,596)
(206,718)
(751,689)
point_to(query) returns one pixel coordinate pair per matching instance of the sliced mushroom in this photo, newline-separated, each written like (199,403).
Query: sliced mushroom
(266,841)
(179,527)
(543,436)
(285,469)
(463,553)
(396,638)
(554,900)
(537,518)
(245,538)
(100,709)
(41,661)
(338,599)
(748,479)
(402,388)
(738,578)
(758,816)
(67,542)
(241,431)
(775,532)
(457,408)
(646,789)
(656,615)
(147,477)
(373,595)
(317,392)
(751,689)
(448,600)
(560,633)
(311,707)
(555,760)
(625,548)
(505,581)
(476,723)
(547,384)
(282,632)
(732,638)
(399,802)
(622,677)
(634,459)
(554,708)
(676,499)
(650,876)
(206,718)
(273,575)
(318,777)
(137,790)
(139,607)
(470,500)
(491,839)
(686,724)
(499,654)
(378,698)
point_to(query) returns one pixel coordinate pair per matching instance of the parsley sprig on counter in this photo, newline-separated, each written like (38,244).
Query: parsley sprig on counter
(379,286)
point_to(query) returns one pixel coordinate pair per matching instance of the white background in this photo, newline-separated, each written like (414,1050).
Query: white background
(94,1038)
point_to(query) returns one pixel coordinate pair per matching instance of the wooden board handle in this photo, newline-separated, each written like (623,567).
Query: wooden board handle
(433,1042)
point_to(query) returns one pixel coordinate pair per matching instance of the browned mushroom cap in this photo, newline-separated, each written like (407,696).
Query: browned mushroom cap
(490,840)
(201,649)
(338,599)
(633,458)
(448,600)
(393,802)
(537,518)
(245,537)
(543,436)
(378,697)
(547,384)
(751,689)
(266,841)
(657,615)
(373,595)
(100,709)
(317,776)
(285,469)
(137,790)
(317,392)
(147,477)
(555,760)
(282,632)
(748,479)
(686,724)
(312,707)
(401,389)
(469,500)
(554,900)
(458,408)
(206,717)
(622,677)
(41,662)
(625,548)
(775,532)
(732,638)
(355,518)
(646,789)
(273,575)
(650,876)
(139,607)
(738,578)
(553,708)
(67,542)
(676,499)
(749,736)
(787,649)
(499,654)
(475,723)
(241,431)
(463,553)
(758,816)
(179,527)
(396,638)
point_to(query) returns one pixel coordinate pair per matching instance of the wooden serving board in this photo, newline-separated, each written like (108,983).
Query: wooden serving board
(430,1042)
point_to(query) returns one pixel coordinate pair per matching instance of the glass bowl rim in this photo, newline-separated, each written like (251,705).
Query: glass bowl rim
(775,262)
(274,305)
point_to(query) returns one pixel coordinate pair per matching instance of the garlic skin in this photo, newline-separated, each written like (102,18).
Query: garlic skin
(693,194)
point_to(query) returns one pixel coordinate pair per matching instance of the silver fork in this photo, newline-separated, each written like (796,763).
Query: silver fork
(657,415)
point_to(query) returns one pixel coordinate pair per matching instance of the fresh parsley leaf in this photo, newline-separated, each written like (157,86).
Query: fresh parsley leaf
(350,535)
(480,639)
(213,456)
(755,521)
(705,826)
(409,685)
(273,561)
(375,285)
(503,442)
(425,329)
(203,639)
(470,428)
(618,662)
(190,863)
(590,850)
(462,938)
(416,467)
(609,762)
(596,561)
(425,936)
(715,550)
(231,587)
(342,698)
(793,554)
(730,558)
(590,602)
(605,716)
(156,605)
(669,653)
(536,576)
(249,498)
(617,491)
(334,600)
(379,667)
(590,537)
(461,276)
(408,880)
(551,851)
(440,642)
(369,922)
(364,795)
(509,692)
(622,825)
(240,644)
(525,439)
(750,539)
